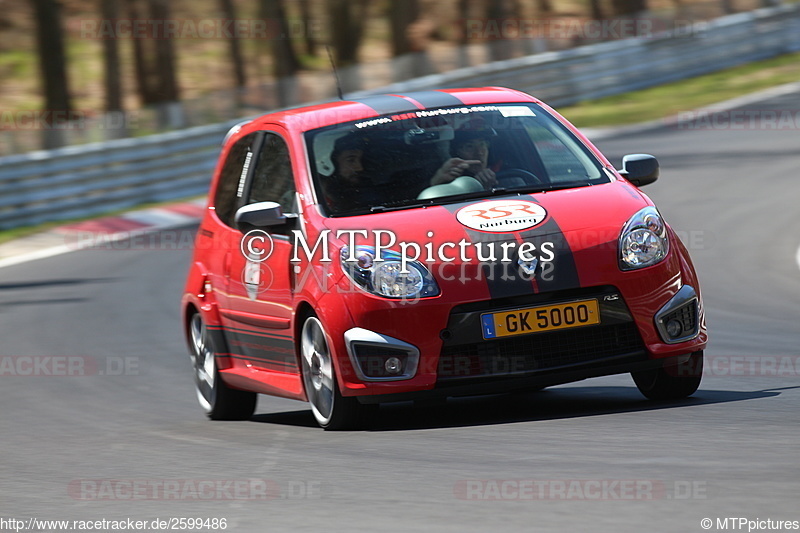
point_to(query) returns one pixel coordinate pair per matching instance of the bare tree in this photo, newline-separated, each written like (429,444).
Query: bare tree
(284,60)
(409,39)
(546,6)
(52,65)
(595,10)
(500,46)
(141,67)
(308,27)
(347,28)
(628,7)
(154,56)
(112,75)
(464,37)
(402,13)
(165,60)
(727,7)
(229,12)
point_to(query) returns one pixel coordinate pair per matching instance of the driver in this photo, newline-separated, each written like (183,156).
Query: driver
(470,156)
(342,189)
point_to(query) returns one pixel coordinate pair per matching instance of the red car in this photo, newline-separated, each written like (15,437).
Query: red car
(433,244)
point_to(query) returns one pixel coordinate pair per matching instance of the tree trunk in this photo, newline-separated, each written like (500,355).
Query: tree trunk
(463,33)
(52,64)
(727,7)
(402,13)
(546,6)
(284,60)
(114,122)
(500,46)
(347,28)
(410,36)
(309,26)
(165,61)
(595,10)
(142,69)
(112,74)
(628,7)
(229,12)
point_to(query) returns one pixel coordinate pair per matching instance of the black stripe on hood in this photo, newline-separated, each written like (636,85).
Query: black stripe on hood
(386,104)
(434,98)
(562,273)
(503,279)
(506,278)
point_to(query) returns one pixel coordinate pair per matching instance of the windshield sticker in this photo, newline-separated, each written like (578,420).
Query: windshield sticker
(501,216)
(426,113)
(517,111)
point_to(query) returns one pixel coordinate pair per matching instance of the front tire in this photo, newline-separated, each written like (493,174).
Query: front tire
(219,401)
(332,411)
(671,382)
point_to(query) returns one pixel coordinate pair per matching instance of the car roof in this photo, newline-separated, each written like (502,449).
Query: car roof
(338,111)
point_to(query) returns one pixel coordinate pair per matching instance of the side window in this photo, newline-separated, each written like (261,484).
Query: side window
(225,198)
(272,179)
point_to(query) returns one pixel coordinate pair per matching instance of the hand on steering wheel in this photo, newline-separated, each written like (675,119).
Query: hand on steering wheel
(451,169)
(529,177)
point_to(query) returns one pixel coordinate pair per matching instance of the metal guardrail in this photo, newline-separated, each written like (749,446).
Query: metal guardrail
(81,181)
(604,69)
(86,180)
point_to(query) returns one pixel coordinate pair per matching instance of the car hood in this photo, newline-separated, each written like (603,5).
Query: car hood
(571,237)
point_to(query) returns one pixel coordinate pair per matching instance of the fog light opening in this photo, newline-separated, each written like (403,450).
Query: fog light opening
(393,366)
(674,328)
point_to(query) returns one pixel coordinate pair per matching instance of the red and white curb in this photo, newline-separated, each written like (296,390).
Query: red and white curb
(62,239)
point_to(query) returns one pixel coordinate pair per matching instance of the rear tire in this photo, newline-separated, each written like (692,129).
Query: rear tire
(331,410)
(219,401)
(671,382)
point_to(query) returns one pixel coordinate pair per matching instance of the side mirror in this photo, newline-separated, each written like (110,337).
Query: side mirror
(260,215)
(640,169)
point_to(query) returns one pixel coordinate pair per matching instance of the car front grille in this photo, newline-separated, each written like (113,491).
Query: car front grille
(539,352)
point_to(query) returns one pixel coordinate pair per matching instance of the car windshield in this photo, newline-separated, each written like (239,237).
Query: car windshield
(438,156)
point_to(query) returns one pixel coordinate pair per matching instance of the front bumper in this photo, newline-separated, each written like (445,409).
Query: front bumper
(456,359)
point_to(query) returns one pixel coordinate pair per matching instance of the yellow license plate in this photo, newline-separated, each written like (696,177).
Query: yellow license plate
(536,319)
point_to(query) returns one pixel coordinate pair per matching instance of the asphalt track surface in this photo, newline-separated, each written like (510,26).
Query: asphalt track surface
(590,456)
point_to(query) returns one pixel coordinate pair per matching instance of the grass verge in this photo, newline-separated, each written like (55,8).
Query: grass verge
(667,100)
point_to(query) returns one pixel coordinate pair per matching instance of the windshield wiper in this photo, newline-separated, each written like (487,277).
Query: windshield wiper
(496,191)
(385,208)
(545,187)
(522,189)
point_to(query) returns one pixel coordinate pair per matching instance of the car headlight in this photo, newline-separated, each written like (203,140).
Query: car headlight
(643,241)
(384,276)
